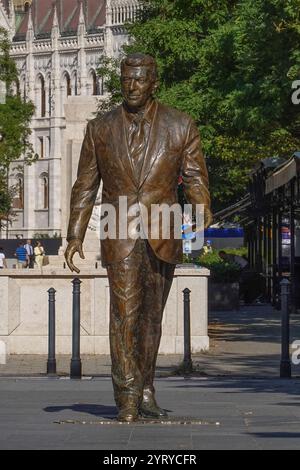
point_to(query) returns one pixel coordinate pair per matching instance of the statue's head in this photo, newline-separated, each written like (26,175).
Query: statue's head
(139,80)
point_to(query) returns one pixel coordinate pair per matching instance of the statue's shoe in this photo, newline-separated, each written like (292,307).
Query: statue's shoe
(128,414)
(149,408)
(150,411)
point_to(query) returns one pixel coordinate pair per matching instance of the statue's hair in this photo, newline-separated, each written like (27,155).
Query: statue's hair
(140,60)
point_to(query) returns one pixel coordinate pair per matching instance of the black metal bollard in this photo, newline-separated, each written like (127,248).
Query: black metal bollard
(187,360)
(75,367)
(51,363)
(285,363)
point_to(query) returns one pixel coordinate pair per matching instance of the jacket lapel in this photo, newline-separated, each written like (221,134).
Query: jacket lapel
(153,150)
(119,137)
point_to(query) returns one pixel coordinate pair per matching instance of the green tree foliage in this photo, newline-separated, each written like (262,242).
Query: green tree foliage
(230,64)
(109,71)
(15,116)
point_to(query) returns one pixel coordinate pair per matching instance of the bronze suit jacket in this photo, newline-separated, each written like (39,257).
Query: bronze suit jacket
(173,149)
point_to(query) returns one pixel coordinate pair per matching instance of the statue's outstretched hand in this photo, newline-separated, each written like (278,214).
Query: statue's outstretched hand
(74,246)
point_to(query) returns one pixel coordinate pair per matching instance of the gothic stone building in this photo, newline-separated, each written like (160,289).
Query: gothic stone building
(57,46)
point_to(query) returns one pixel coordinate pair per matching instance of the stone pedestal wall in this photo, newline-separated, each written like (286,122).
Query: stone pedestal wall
(24,311)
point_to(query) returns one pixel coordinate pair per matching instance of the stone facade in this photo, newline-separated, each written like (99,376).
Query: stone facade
(57,46)
(5,19)
(24,311)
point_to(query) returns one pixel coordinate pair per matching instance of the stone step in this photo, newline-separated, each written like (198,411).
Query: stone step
(90,261)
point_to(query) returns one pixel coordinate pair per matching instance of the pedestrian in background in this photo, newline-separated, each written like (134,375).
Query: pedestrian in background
(22,256)
(2,259)
(39,254)
(207,248)
(29,249)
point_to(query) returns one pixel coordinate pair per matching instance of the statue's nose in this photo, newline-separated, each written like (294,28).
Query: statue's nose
(132,84)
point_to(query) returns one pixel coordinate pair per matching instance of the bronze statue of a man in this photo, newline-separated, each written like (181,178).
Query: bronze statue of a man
(138,150)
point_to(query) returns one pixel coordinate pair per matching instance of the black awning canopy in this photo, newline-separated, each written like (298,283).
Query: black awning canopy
(266,178)
(234,209)
(282,176)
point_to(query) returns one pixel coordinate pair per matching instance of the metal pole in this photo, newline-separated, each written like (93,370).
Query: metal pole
(75,368)
(255,248)
(285,363)
(265,241)
(265,256)
(259,247)
(187,360)
(279,228)
(274,257)
(269,259)
(292,250)
(51,363)
(249,240)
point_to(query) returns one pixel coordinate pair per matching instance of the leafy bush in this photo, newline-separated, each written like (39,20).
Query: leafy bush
(243,251)
(37,236)
(220,270)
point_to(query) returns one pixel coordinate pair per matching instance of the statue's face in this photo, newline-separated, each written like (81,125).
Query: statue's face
(138,86)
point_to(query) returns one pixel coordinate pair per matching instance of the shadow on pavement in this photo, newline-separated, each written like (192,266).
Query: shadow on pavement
(102,411)
(242,385)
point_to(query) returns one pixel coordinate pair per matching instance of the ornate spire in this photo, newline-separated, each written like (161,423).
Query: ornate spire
(81,22)
(108,12)
(12,17)
(55,24)
(30,28)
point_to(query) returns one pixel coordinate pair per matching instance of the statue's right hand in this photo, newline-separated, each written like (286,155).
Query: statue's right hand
(74,246)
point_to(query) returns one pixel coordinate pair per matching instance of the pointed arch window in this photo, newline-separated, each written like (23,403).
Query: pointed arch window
(96,89)
(18,200)
(46,192)
(43,97)
(18,87)
(49,97)
(23,91)
(44,180)
(75,81)
(68,84)
(41,147)
(21,192)
(95,83)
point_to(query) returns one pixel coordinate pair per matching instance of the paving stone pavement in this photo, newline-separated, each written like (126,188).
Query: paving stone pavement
(247,343)
(235,395)
(235,413)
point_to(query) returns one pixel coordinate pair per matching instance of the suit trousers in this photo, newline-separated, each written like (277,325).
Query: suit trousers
(139,287)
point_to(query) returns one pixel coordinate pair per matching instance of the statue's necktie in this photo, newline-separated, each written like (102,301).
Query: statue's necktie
(137,142)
